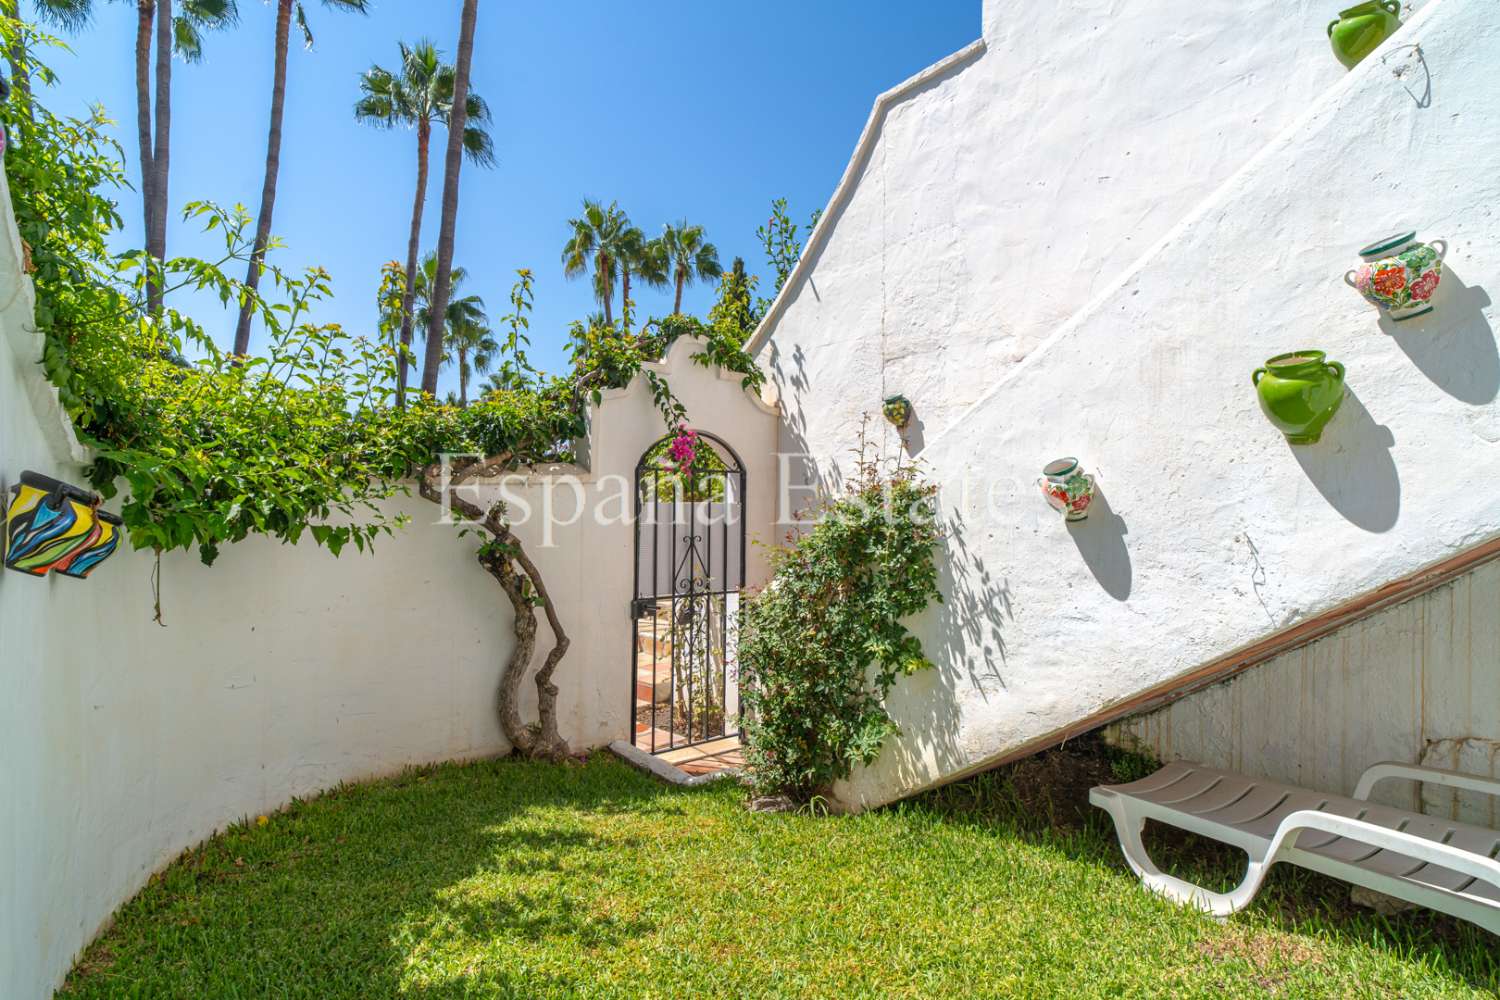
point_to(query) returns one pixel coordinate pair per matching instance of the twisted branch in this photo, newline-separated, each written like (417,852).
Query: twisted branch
(507,561)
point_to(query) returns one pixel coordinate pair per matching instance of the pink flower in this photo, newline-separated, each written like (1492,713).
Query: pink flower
(1423,287)
(1362,278)
(684,448)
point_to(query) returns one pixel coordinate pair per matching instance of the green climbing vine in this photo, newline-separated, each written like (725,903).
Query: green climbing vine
(824,643)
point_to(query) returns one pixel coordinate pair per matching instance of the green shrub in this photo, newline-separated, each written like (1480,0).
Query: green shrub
(822,645)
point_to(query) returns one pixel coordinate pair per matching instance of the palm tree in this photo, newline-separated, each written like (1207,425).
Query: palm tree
(462,311)
(420,95)
(460,308)
(602,239)
(69,15)
(632,246)
(644,259)
(181,33)
(476,348)
(453,163)
(690,257)
(285,10)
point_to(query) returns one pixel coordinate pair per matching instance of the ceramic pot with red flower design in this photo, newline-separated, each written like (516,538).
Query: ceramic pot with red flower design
(1067,488)
(1399,274)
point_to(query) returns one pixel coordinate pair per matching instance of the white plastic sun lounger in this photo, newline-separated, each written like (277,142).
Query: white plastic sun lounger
(1437,863)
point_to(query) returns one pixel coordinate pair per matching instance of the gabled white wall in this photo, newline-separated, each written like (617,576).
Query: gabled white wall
(282,671)
(1211,531)
(992,199)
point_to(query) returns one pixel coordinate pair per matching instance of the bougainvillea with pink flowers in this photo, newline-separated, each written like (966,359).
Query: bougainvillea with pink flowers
(683,450)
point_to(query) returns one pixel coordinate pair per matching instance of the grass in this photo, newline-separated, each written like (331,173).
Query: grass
(510,879)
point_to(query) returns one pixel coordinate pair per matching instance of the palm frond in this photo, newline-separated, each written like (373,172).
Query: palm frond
(69,15)
(302,25)
(187,41)
(706,260)
(476,109)
(691,257)
(478,147)
(211,14)
(382,104)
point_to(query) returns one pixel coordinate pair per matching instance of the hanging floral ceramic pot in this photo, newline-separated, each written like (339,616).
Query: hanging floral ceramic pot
(1360,29)
(897,410)
(1067,488)
(1299,393)
(1399,274)
(46,523)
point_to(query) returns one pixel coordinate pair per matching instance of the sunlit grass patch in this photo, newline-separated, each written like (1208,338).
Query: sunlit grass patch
(509,879)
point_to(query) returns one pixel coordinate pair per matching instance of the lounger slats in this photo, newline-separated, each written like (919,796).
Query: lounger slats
(1390,863)
(1224,794)
(1181,793)
(1346,808)
(1263,799)
(1480,842)
(1160,779)
(1265,826)
(1356,851)
(1485,891)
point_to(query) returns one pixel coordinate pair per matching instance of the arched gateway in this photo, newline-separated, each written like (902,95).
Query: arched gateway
(689,571)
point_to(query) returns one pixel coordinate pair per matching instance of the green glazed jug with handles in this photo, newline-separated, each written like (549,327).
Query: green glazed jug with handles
(1299,393)
(1360,29)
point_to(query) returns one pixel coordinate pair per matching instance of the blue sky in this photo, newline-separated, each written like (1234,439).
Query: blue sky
(703,110)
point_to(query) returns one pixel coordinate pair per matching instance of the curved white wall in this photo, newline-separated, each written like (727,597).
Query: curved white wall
(1211,531)
(282,671)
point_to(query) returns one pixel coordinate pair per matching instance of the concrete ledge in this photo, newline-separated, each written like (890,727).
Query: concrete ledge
(658,768)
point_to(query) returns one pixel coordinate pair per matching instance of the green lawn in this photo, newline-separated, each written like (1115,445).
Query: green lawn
(507,879)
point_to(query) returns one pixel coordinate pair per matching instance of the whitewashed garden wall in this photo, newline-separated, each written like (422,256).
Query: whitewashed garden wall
(1097,274)
(283,671)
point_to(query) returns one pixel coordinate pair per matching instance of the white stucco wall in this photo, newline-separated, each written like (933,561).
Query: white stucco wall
(282,671)
(1210,531)
(998,195)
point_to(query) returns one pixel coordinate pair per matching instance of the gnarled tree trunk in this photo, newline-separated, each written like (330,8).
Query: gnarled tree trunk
(505,559)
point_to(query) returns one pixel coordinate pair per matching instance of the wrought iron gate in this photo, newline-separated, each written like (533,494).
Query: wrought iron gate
(689,570)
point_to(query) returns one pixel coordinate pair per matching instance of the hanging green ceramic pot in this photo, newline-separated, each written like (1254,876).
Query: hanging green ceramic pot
(1299,393)
(1360,29)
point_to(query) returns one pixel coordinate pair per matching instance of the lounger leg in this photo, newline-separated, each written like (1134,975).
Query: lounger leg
(1128,827)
